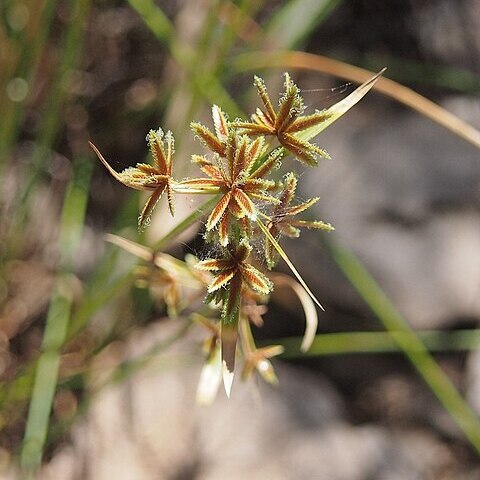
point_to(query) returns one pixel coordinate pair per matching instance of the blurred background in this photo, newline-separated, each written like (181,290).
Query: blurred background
(97,382)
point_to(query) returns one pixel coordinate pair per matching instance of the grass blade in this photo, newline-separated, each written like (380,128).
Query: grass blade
(291,266)
(336,111)
(409,343)
(21,61)
(51,118)
(58,317)
(347,343)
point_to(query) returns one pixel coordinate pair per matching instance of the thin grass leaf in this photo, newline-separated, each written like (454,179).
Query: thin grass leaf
(41,15)
(206,84)
(409,342)
(46,376)
(58,318)
(420,72)
(51,118)
(336,111)
(164,261)
(348,343)
(134,248)
(282,253)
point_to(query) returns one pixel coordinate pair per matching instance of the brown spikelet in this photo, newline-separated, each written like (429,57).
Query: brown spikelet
(218,211)
(208,138)
(256,280)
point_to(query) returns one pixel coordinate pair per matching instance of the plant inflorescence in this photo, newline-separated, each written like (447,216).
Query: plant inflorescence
(250,204)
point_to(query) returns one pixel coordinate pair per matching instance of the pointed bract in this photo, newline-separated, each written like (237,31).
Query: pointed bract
(283,222)
(154,178)
(286,122)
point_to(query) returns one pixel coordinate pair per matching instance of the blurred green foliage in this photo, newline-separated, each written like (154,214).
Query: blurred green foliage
(56,76)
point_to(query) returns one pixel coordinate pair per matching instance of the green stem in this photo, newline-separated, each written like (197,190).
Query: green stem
(287,260)
(346,343)
(58,318)
(409,343)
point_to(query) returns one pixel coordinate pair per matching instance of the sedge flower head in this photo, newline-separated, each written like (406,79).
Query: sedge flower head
(283,220)
(286,122)
(156,178)
(233,264)
(233,173)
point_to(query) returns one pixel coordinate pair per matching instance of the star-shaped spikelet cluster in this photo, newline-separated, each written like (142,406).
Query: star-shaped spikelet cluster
(156,178)
(237,173)
(252,205)
(283,219)
(286,122)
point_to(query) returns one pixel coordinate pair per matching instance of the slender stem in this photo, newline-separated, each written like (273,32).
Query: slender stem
(347,343)
(292,267)
(246,335)
(409,342)
(56,327)
(28,63)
